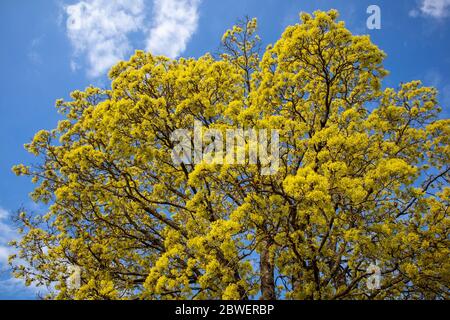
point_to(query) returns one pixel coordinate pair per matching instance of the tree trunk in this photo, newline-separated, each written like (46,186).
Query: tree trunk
(267,274)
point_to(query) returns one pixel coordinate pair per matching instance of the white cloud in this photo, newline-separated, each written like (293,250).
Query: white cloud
(174,23)
(11,287)
(6,234)
(433,8)
(100,29)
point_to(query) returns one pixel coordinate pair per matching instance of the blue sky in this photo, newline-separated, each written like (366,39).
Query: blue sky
(52,47)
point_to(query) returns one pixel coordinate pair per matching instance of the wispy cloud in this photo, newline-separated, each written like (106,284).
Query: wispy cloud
(100,29)
(432,8)
(13,288)
(10,287)
(436,79)
(174,23)
(6,234)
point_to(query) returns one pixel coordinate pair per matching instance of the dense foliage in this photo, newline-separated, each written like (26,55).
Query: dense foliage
(363,178)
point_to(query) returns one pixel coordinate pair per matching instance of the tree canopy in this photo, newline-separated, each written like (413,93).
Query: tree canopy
(362,179)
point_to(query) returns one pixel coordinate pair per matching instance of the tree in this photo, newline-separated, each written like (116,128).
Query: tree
(362,181)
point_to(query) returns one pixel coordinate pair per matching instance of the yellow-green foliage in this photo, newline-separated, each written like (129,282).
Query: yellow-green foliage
(363,178)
